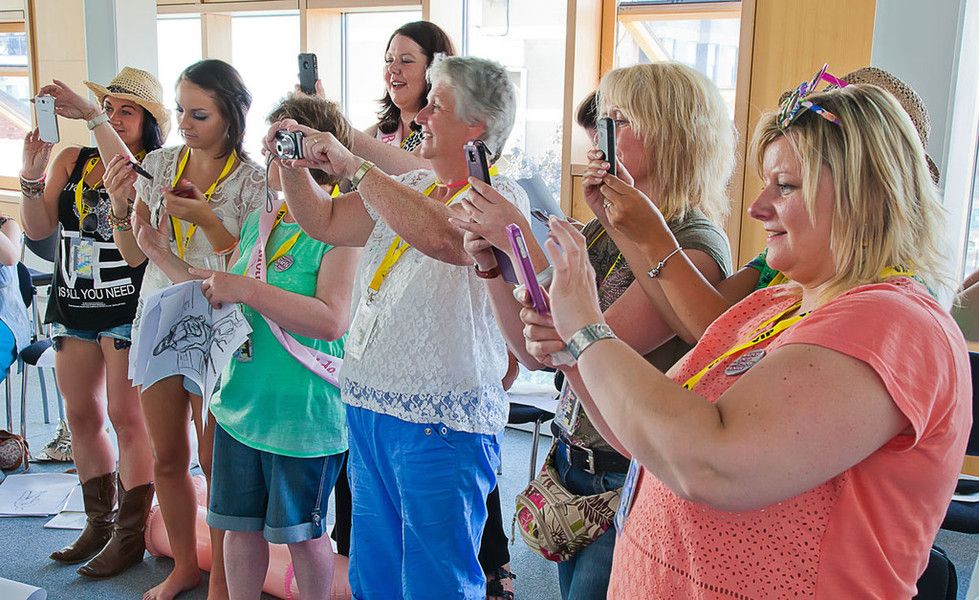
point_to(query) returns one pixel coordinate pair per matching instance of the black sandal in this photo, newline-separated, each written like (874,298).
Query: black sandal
(494,584)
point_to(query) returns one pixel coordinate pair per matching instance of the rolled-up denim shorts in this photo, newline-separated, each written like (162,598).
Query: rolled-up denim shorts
(122,334)
(284,497)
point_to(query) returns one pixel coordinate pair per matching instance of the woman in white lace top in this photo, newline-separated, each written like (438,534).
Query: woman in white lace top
(424,356)
(200,194)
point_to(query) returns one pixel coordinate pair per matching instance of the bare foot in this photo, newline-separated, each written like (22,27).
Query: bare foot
(174,584)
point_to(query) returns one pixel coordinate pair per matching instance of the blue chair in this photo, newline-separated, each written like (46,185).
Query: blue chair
(31,356)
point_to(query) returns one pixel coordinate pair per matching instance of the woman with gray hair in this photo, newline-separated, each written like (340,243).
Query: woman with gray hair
(424,355)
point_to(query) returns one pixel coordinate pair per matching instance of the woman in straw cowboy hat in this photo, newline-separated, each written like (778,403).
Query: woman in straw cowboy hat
(91,311)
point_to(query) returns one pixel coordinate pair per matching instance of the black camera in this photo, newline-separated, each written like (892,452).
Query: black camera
(289,144)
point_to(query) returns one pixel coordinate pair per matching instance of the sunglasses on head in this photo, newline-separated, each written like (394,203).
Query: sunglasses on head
(91,199)
(796,103)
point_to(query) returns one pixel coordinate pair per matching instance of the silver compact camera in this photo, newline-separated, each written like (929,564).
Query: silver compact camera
(289,144)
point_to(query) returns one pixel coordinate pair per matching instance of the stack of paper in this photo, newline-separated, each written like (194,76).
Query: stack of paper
(35,494)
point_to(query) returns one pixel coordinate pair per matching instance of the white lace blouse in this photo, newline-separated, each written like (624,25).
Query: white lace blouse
(437,354)
(241,192)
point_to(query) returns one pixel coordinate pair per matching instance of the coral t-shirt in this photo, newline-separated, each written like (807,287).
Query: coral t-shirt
(864,533)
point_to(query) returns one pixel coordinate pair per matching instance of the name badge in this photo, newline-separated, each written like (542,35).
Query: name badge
(745,362)
(567,409)
(244,353)
(283,262)
(362,327)
(82,255)
(627,497)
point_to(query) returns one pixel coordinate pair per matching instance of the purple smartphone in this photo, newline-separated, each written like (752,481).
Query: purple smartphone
(479,168)
(527,272)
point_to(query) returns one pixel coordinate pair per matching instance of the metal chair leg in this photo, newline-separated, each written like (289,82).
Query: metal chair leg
(23,403)
(533,450)
(57,393)
(44,395)
(10,404)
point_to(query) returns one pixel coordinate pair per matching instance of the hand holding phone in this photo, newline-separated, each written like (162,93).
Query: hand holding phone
(606,141)
(47,119)
(527,274)
(308,73)
(479,168)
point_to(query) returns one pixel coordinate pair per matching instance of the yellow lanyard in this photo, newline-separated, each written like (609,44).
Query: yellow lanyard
(397,247)
(615,263)
(79,189)
(184,240)
(289,243)
(778,327)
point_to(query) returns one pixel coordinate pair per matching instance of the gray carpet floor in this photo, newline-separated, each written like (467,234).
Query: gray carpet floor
(26,544)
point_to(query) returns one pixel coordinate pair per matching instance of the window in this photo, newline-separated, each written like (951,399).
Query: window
(270,70)
(972,251)
(175,57)
(15,95)
(365,39)
(528,37)
(702,35)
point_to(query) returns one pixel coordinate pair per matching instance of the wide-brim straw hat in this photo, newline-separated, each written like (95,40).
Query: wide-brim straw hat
(909,99)
(138,87)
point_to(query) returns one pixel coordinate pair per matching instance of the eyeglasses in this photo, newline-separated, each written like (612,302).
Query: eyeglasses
(91,199)
(796,103)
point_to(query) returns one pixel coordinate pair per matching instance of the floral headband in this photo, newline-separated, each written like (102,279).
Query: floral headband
(796,103)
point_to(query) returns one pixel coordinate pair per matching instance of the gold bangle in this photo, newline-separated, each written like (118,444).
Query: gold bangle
(361,172)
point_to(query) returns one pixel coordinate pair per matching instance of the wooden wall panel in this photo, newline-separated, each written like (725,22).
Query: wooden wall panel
(791,40)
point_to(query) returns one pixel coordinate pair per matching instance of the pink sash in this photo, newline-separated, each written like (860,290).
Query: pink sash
(320,363)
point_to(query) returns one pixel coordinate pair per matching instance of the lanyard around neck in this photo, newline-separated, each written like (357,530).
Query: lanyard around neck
(776,325)
(398,247)
(183,240)
(83,210)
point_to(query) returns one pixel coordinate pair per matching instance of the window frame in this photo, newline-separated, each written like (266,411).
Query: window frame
(8,183)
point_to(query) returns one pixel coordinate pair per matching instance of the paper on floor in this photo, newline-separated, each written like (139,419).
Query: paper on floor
(35,494)
(15,590)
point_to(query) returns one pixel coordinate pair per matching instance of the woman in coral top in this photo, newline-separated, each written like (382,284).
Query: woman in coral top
(809,444)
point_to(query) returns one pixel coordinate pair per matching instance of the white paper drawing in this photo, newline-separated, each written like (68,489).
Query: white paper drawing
(35,494)
(180,333)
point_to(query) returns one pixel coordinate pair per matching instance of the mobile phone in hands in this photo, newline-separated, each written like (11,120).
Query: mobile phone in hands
(47,119)
(479,168)
(308,73)
(527,273)
(606,141)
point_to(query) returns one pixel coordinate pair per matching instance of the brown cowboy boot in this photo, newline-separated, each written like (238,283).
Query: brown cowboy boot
(127,545)
(99,497)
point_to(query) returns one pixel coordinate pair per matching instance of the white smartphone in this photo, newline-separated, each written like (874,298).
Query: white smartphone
(47,120)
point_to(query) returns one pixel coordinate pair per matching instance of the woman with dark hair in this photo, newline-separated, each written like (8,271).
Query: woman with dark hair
(91,310)
(409,53)
(212,102)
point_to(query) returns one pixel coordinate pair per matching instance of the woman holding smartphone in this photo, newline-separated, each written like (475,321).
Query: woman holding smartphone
(201,191)
(91,310)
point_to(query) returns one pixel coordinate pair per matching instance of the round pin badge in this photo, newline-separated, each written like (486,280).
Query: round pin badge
(282,263)
(744,362)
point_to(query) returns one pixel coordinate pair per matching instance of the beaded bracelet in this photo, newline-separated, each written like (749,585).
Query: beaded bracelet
(33,188)
(122,223)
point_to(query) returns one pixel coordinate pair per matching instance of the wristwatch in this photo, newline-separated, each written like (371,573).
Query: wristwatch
(359,175)
(586,336)
(97,120)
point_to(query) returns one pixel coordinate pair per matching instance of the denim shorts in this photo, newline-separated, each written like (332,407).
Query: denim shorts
(283,497)
(122,334)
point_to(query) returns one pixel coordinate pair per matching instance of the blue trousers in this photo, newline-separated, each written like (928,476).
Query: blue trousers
(419,507)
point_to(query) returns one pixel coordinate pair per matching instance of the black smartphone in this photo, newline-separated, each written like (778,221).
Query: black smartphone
(308,73)
(606,141)
(479,168)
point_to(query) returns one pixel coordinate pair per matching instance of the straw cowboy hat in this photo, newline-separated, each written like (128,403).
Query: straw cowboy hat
(905,95)
(138,87)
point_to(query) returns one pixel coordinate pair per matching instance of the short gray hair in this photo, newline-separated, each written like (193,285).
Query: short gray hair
(483,94)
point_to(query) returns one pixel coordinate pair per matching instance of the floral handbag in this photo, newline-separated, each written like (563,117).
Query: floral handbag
(556,523)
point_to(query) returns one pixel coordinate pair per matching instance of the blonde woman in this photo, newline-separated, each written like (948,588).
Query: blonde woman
(675,148)
(772,460)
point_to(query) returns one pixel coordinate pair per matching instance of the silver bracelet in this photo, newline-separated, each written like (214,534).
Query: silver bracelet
(361,172)
(97,120)
(655,271)
(586,336)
